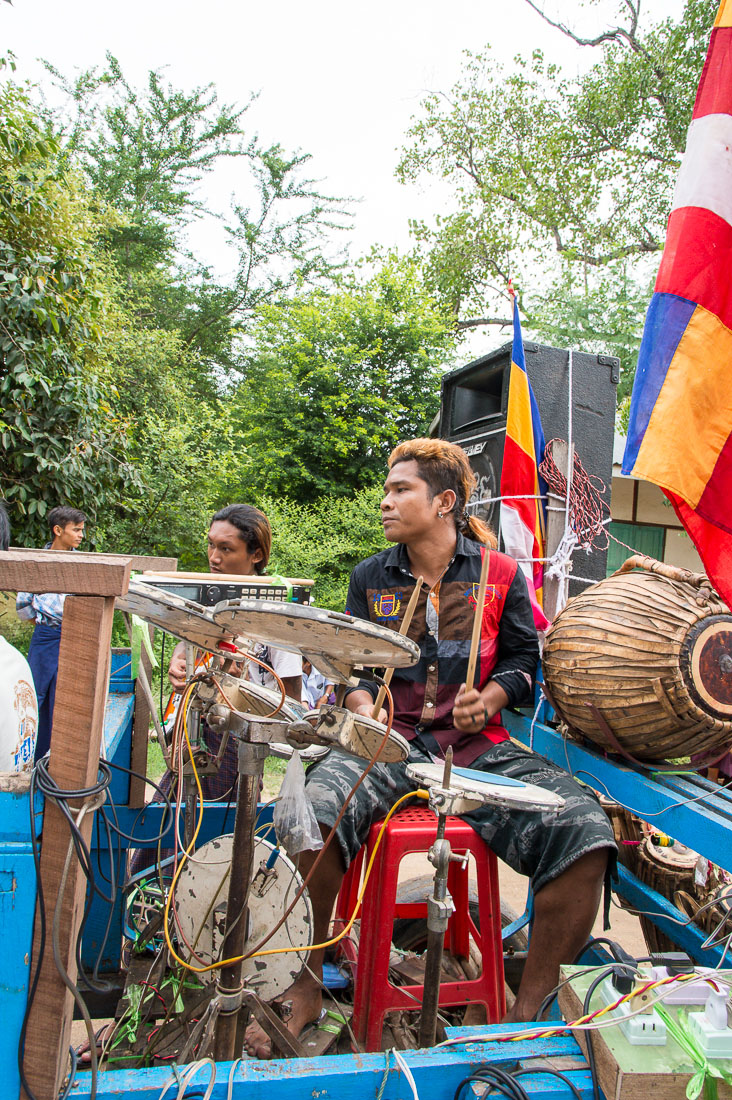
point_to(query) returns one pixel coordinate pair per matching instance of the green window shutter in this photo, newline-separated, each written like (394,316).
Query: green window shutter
(644,540)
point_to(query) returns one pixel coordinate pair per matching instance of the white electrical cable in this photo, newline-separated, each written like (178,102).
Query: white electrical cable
(406,1071)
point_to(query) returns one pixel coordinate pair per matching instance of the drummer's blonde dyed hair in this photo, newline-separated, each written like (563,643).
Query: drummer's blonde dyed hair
(443,466)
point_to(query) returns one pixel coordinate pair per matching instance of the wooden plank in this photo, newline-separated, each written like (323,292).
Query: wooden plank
(138,562)
(216,578)
(140,730)
(78,724)
(64,571)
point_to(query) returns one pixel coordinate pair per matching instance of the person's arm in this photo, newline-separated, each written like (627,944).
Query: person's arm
(24,606)
(177,668)
(327,689)
(512,678)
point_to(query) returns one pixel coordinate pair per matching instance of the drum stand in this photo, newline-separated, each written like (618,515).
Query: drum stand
(440,908)
(229,989)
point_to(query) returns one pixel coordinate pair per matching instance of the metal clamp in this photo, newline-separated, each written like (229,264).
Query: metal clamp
(229,1000)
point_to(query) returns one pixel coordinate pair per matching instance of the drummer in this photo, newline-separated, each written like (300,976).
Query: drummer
(567,855)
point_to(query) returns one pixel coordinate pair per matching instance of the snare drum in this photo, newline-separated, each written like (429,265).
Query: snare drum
(483,788)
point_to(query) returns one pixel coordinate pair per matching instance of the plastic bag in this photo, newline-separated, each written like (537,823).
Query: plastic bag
(294,817)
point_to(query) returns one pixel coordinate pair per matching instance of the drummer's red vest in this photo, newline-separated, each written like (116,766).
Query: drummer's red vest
(424,694)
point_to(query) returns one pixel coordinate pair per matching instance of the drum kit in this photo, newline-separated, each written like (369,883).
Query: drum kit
(231,889)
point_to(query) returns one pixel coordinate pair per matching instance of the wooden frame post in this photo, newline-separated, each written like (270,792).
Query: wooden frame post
(92,582)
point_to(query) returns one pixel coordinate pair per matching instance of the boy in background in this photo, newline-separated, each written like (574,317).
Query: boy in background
(46,610)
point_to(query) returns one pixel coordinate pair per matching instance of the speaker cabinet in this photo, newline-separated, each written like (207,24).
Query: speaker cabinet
(473,414)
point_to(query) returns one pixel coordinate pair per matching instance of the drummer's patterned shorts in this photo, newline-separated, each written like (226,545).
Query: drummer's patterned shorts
(538,844)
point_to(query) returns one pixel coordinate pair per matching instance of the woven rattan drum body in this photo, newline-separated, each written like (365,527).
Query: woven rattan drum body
(648,658)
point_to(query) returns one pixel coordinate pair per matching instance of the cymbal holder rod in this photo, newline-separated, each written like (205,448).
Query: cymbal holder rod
(440,908)
(251,757)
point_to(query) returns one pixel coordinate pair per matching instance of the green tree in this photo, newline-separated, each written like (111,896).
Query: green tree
(334,380)
(146,151)
(324,538)
(62,439)
(565,184)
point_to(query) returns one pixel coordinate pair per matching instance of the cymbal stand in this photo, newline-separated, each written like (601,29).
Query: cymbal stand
(440,908)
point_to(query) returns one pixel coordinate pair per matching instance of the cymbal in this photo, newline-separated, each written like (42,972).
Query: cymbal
(333,642)
(178,616)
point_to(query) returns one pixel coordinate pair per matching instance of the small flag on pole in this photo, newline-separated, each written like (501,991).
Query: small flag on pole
(523,525)
(680,431)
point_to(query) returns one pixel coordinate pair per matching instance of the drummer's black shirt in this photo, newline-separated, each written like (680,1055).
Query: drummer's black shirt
(379,591)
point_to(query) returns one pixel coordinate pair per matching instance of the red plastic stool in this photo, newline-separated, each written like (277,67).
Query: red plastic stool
(414,830)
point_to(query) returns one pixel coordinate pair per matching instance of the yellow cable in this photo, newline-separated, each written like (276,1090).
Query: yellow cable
(306,947)
(166,917)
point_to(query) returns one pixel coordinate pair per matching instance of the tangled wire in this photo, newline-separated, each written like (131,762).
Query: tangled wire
(588,511)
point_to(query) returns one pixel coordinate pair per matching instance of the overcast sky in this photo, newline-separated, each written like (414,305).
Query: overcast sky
(338,81)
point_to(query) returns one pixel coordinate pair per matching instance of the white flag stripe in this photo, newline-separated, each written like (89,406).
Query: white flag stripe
(517,539)
(705,176)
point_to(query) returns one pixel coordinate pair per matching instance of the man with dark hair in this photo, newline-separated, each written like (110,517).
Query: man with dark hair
(424,514)
(46,610)
(18,703)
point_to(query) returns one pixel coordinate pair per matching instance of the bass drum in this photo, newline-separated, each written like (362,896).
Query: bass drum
(200,914)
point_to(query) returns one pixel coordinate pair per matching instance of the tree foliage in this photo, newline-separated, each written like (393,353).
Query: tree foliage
(336,379)
(62,438)
(564,184)
(324,539)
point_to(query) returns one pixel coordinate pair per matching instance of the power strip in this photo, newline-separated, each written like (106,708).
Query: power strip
(711,1027)
(645,1029)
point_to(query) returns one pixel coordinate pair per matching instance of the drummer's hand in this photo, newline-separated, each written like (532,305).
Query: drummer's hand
(469,713)
(474,709)
(177,671)
(368,710)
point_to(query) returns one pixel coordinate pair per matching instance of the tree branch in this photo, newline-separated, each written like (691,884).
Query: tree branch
(477,322)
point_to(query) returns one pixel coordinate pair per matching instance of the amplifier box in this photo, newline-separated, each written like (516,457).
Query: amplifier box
(209,589)
(473,414)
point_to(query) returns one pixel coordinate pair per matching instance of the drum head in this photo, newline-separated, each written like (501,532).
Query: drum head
(487,788)
(200,904)
(182,618)
(363,736)
(326,638)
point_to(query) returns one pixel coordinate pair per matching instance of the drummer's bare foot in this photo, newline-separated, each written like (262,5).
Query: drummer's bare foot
(299,1006)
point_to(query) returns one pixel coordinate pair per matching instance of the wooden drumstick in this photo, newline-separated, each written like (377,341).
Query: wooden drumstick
(477,621)
(402,630)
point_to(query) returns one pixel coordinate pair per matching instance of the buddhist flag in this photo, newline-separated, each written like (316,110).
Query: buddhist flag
(680,432)
(522,510)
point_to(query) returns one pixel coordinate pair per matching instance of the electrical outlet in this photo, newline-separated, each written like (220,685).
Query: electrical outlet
(693,991)
(711,1027)
(646,1029)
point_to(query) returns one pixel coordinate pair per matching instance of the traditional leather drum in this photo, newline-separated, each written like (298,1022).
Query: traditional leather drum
(642,663)
(666,870)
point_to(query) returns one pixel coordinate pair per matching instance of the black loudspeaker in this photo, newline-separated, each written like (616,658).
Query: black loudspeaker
(473,414)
